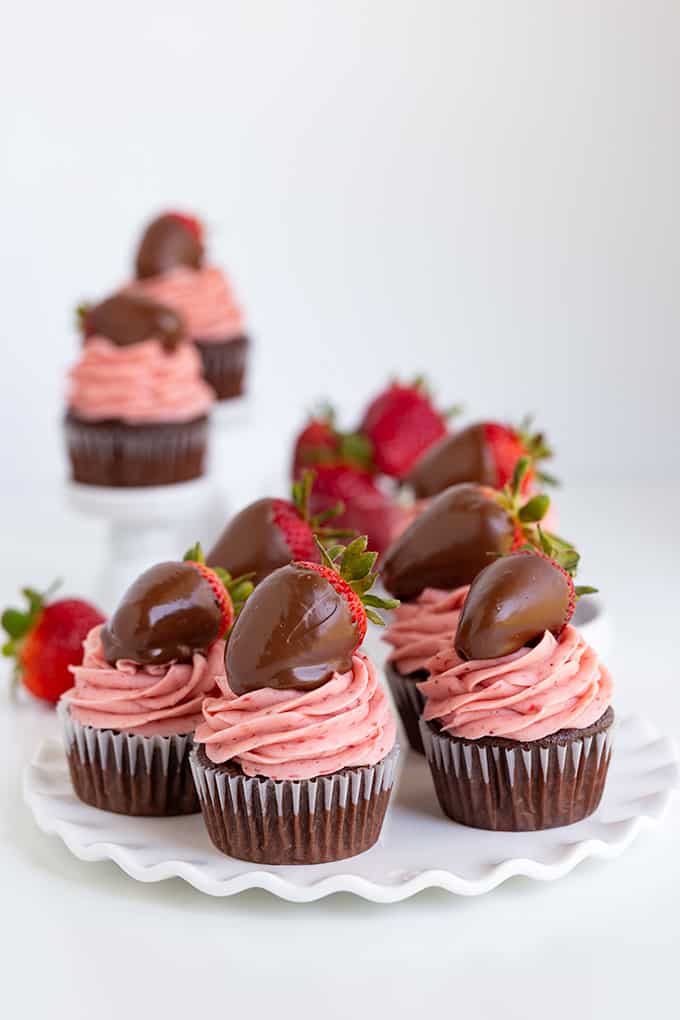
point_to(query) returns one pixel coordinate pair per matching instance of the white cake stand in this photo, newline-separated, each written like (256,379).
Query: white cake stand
(146,525)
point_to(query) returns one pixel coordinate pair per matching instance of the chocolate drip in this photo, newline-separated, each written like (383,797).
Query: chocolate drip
(167,242)
(126,319)
(251,543)
(167,614)
(448,545)
(462,457)
(295,631)
(511,604)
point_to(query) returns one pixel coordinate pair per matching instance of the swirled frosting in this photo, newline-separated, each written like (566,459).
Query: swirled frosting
(139,383)
(148,700)
(292,735)
(533,693)
(424,627)
(203,297)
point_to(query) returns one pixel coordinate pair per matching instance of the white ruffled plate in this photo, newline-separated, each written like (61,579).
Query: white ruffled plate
(419,848)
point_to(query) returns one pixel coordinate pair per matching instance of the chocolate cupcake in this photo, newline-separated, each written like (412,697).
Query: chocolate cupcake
(429,568)
(170,268)
(128,722)
(296,760)
(517,719)
(137,405)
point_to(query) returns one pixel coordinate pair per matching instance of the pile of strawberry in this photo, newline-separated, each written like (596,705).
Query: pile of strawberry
(360,468)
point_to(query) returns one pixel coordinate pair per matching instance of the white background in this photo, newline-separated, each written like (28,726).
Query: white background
(483,191)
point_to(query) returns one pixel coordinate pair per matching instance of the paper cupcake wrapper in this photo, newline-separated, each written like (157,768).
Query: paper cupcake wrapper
(522,787)
(293,821)
(113,453)
(224,364)
(409,703)
(127,773)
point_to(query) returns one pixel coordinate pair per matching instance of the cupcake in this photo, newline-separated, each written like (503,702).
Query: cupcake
(137,404)
(429,568)
(129,719)
(517,718)
(295,760)
(271,532)
(170,269)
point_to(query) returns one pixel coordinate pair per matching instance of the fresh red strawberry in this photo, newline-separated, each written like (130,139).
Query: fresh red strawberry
(46,639)
(230,592)
(192,223)
(368,510)
(320,442)
(402,423)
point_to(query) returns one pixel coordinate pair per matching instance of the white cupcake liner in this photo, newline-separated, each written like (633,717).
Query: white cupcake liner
(294,821)
(126,772)
(527,786)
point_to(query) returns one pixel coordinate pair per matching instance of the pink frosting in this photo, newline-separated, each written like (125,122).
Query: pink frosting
(424,627)
(292,735)
(202,296)
(148,700)
(559,684)
(139,383)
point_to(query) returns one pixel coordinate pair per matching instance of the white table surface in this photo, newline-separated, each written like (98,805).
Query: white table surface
(84,940)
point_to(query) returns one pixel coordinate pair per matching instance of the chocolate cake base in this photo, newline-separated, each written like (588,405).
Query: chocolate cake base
(112,453)
(129,774)
(224,364)
(510,786)
(309,821)
(408,701)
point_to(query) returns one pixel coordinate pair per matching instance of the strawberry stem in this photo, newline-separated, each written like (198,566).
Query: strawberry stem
(356,566)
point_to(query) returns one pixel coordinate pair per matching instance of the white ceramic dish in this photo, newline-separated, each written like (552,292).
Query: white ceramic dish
(418,849)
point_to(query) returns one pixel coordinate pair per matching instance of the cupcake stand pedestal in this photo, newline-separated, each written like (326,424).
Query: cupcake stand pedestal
(146,525)
(418,848)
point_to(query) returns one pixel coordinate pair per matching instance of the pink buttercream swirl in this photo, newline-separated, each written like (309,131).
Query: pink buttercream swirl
(424,627)
(138,384)
(533,693)
(292,735)
(203,297)
(147,700)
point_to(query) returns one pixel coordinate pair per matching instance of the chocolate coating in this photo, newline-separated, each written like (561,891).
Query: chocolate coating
(126,319)
(168,613)
(251,543)
(166,243)
(295,631)
(462,457)
(449,544)
(512,602)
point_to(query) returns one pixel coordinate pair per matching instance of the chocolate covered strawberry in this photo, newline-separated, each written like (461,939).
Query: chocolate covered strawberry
(486,453)
(173,610)
(271,532)
(514,600)
(304,622)
(401,423)
(45,639)
(126,319)
(171,240)
(461,531)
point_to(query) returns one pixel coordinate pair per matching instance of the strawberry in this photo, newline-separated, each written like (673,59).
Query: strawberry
(320,442)
(229,592)
(191,223)
(486,452)
(368,510)
(305,621)
(402,423)
(514,601)
(269,533)
(46,639)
